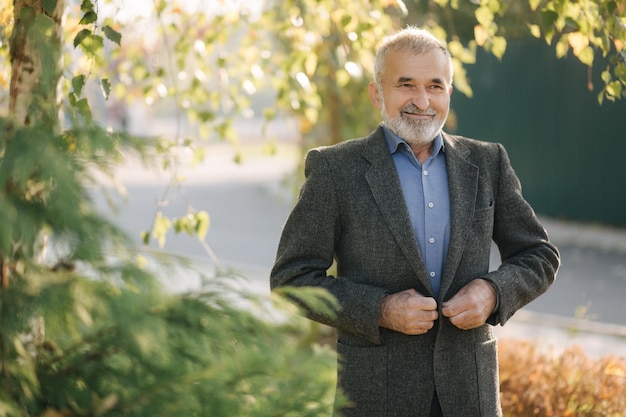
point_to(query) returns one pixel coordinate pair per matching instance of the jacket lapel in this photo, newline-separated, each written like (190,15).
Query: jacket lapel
(382,178)
(463,185)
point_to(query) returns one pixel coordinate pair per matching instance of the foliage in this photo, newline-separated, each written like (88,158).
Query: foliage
(537,381)
(114,343)
(588,28)
(328,48)
(326,54)
(86,327)
(133,350)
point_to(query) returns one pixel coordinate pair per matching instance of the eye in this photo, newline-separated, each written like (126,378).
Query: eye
(436,87)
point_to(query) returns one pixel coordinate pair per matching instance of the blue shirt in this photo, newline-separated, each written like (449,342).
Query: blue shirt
(427,198)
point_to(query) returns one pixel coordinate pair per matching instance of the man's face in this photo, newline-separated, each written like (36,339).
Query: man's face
(414,95)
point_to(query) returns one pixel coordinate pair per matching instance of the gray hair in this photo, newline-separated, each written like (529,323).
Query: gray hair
(413,39)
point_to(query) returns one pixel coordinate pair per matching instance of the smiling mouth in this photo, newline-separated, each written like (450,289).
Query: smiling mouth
(418,114)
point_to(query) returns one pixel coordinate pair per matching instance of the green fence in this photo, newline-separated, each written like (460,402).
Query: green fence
(569,151)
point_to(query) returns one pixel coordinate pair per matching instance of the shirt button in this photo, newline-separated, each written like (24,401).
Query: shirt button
(431,205)
(425,172)
(432,274)
(431,240)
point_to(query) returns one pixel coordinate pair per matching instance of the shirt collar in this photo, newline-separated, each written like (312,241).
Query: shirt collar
(394,141)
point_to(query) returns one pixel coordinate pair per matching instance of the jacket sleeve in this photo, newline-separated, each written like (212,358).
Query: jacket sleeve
(306,251)
(529,261)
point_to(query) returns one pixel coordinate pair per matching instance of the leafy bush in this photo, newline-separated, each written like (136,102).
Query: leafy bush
(116,350)
(535,381)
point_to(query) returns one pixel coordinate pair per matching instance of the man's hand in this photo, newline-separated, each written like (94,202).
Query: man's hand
(472,305)
(408,312)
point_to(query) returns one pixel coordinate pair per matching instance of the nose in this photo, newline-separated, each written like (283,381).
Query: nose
(420,98)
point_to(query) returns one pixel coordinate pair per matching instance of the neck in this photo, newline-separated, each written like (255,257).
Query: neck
(422,151)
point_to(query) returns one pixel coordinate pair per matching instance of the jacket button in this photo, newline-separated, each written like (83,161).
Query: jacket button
(431,346)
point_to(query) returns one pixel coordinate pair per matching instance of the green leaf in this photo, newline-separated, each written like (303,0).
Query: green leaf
(78,82)
(206,116)
(534,4)
(562,46)
(105,85)
(465,55)
(499,46)
(86,6)
(88,18)
(145,237)
(345,20)
(620,71)
(535,31)
(548,18)
(92,44)
(610,6)
(160,228)
(484,15)
(49,5)
(614,89)
(183,224)
(203,222)
(82,106)
(80,36)
(586,56)
(112,34)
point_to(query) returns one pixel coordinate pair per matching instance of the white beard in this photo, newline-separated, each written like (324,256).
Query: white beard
(417,133)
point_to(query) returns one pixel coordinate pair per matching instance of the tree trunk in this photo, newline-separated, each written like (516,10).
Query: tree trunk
(35,74)
(35,63)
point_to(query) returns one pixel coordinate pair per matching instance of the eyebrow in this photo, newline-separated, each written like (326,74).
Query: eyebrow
(404,80)
(436,80)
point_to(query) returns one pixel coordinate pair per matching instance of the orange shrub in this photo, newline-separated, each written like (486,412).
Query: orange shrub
(539,382)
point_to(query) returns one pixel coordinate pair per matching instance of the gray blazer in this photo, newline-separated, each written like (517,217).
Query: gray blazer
(351,209)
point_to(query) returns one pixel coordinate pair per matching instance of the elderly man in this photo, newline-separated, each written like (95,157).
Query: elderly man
(409,214)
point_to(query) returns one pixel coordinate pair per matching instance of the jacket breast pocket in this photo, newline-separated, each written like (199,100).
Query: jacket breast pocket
(478,244)
(484,212)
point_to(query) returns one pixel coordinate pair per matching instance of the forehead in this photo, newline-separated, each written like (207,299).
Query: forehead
(427,66)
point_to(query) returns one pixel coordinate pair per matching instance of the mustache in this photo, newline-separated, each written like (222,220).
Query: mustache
(411,108)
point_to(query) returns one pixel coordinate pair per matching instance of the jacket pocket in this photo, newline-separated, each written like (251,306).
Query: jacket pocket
(488,380)
(362,378)
(484,213)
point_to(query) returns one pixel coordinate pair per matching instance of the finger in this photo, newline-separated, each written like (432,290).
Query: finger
(451,309)
(421,327)
(462,321)
(432,315)
(430,303)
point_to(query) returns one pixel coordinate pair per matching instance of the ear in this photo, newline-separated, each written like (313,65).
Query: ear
(374,94)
